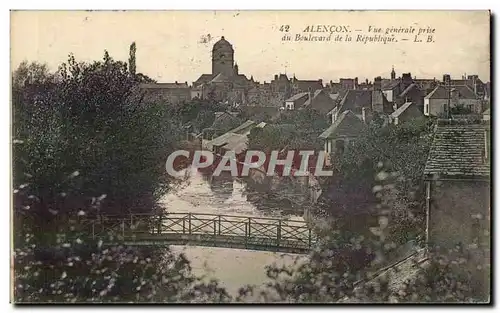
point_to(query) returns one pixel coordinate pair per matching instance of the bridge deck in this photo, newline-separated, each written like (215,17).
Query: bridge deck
(241,232)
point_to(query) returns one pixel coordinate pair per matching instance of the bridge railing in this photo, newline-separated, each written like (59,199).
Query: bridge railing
(270,231)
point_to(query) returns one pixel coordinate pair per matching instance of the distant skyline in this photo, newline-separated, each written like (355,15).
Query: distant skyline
(173,46)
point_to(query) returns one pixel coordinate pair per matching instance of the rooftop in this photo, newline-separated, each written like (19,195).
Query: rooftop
(164,85)
(401,109)
(459,149)
(346,125)
(297,97)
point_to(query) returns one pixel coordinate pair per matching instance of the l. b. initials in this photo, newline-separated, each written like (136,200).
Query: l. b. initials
(417,39)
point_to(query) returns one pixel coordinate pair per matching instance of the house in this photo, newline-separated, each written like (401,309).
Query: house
(412,94)
(392,88)
(299,86)
(296,101)
(223,122)
(459,98)
(234,140)
(320,101)
(486,115)
(259,113)
(349,83)
(173,93)
(405,113)
(365,103)
(458,188)
(345,129)
(471,81)
(426,85)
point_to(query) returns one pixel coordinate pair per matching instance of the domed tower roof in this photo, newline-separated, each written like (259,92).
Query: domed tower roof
(223,44)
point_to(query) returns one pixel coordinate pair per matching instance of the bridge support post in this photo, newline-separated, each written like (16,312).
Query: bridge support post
(189,222)
(160,220)
(220,223)
(278,234)
(249,226)
(246,235)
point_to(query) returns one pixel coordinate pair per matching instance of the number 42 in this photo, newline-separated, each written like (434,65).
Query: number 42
(284,28)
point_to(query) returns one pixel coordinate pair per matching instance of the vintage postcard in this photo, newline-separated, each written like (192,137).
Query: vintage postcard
(251,156)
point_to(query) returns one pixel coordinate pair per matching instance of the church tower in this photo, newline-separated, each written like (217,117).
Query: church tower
(223,58)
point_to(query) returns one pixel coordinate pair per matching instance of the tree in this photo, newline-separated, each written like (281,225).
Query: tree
(131,60)
(86,145)
(402,150)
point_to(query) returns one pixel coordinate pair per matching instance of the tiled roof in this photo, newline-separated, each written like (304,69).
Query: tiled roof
(221,78)
(354,100)
(204,78)
(440,92)
(316,93)
(305,85)
(401,109)
(296,97)
(243,127)
(389,84)
(164,85)
(346,125)
(408,89)
(459,150)
(465,92)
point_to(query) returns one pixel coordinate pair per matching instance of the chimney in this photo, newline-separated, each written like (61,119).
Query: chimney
(355,83)
(275,77)
(446,79)
(321,82)
(377,83)
(406,80)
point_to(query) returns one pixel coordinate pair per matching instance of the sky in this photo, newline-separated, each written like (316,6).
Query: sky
(173,46)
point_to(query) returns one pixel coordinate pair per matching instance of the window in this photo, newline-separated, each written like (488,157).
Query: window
(426,108)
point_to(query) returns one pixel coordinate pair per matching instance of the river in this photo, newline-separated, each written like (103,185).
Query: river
(232,267)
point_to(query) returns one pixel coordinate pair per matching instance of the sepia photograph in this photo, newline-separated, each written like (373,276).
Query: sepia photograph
(236,157)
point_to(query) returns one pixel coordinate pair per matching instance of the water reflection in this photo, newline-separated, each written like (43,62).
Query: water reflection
(226,195)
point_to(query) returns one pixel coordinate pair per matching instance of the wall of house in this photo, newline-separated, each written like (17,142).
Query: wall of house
(452,207)
(435,106)
(452,219)
(473,103)
(388,95)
